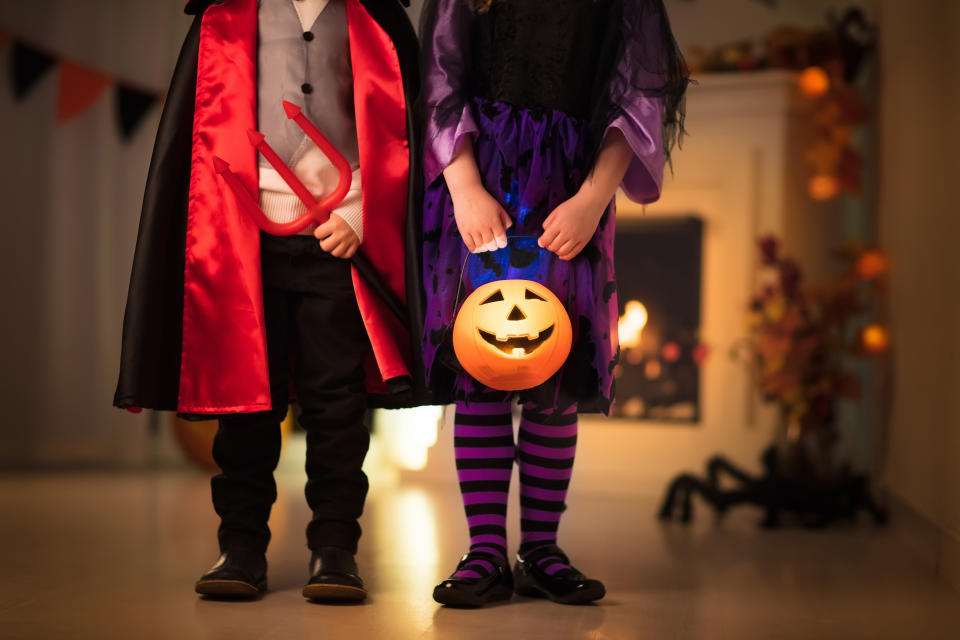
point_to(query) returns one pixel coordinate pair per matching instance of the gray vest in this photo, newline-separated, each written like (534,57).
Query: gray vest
(312,71)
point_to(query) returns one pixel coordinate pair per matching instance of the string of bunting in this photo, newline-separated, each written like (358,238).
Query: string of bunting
(78,86)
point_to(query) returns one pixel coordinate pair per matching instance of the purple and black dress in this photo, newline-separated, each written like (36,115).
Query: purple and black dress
(536,84)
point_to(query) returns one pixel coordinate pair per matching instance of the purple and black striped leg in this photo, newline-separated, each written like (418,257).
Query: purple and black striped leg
(547,444)
(484,450)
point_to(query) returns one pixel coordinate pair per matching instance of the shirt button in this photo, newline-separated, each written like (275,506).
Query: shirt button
(308,36)
(306,87)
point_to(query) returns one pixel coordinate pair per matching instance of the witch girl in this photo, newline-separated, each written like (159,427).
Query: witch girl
(535,112)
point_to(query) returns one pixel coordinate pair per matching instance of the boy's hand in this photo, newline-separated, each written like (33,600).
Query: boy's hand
(481,220)
(337,237)
(569,227)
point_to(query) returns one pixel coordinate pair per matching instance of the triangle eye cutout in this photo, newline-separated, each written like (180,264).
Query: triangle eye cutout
(530,295)
(493,297)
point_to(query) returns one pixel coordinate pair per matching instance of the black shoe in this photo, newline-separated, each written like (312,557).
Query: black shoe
(334,577)
(476,592)
(238,574)
(567,586)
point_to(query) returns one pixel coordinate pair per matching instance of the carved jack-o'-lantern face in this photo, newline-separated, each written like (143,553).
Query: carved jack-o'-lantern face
(512,334)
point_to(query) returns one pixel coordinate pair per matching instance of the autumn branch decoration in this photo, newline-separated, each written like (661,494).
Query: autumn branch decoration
(828,62)
(802,339)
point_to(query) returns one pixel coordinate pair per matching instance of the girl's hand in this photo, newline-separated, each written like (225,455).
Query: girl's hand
(568,229)
(570,226)
(481,221)
(337,237)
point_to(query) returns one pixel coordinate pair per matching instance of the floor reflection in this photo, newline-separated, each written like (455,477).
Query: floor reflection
(114,555)
(406,534)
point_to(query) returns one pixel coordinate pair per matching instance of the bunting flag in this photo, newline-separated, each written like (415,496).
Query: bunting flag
(131,106)
(29,66)
(79,88)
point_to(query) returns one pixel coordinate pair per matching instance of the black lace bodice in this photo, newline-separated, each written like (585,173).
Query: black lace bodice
(542,54)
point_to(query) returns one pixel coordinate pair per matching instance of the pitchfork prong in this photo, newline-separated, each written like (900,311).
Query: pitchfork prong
(295,113)
(258,140)
(249,205)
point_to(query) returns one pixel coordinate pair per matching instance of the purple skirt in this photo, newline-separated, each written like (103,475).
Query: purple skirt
(531,162)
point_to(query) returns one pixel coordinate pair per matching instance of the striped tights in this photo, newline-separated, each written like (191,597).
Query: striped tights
(485,453)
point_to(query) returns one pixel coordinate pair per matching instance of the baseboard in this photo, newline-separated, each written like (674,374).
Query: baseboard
(935,548)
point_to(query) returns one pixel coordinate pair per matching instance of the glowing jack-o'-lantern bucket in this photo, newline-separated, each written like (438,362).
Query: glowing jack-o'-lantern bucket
(512,334)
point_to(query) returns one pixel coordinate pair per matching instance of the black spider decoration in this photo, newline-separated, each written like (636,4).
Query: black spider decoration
(816,502)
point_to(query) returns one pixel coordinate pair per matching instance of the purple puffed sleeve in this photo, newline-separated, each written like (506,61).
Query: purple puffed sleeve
(641,127)
(647,95)
(446,37)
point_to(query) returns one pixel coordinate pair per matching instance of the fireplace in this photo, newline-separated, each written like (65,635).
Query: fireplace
(658,264)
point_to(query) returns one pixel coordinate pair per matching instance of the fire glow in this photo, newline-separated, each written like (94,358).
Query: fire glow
(631,324)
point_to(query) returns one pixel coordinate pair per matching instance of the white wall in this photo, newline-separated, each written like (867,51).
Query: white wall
(712,22)
(920,223)
(71,198)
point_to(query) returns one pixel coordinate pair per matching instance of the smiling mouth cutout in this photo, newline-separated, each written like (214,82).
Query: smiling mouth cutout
(519,345)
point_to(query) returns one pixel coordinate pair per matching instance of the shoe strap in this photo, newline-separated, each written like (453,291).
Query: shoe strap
(492,558)
(548,550)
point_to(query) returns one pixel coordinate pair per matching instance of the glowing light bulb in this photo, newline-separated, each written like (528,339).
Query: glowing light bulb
(875,339)
(823,187)
(814,82)
(653,369)
(671,352)
(872,263)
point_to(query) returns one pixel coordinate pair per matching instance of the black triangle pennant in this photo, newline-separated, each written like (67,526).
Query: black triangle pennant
(29,66)
(132,105)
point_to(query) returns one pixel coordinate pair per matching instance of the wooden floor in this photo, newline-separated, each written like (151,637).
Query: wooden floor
(114,555)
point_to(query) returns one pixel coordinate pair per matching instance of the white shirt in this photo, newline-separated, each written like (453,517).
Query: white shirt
(308,10)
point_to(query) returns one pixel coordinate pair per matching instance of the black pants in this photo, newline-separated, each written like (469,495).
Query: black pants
(314,330)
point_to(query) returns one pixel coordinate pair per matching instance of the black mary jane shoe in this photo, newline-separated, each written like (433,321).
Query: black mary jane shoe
(334,577)
(567,586)
(238,574)
(476,592)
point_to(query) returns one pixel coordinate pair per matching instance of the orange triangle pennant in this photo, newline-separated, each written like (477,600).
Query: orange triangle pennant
(79,88)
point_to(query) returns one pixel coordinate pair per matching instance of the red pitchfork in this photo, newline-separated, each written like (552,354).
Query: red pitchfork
(317,212)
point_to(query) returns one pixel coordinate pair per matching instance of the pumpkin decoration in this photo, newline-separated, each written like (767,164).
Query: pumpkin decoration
(512,334)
